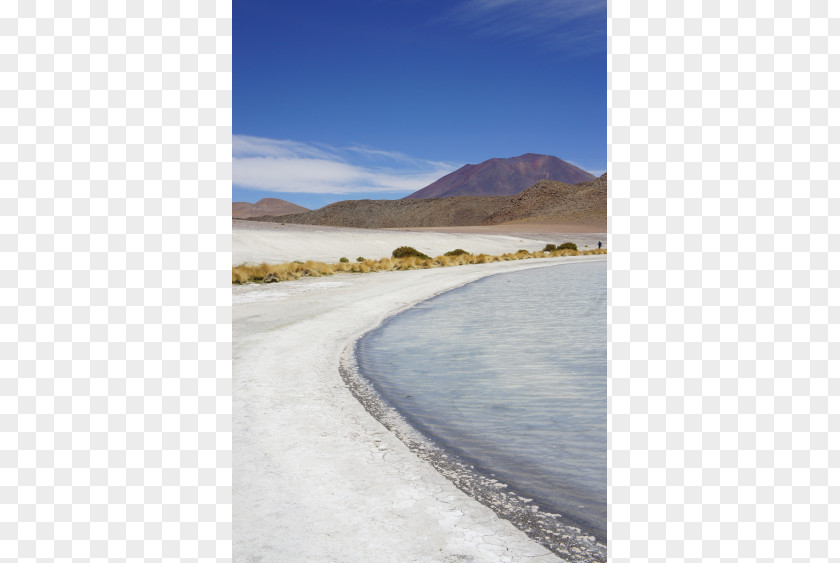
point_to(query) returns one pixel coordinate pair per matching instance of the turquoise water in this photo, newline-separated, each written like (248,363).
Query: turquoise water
(510,373)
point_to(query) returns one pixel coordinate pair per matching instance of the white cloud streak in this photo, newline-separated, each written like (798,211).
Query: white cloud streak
(293,166)
(559,24)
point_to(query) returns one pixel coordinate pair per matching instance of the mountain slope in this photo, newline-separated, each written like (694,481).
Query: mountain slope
(555,202)
(544,202)
(503,176)
(265,206)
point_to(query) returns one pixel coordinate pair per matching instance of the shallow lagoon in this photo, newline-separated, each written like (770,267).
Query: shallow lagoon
(510,373)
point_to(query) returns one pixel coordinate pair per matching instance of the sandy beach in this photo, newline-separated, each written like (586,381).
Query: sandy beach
(316,477)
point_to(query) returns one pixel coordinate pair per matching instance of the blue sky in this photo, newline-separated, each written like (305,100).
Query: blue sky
(361,99)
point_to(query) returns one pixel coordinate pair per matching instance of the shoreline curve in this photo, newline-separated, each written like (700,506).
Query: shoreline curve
(562,535)
(315,476)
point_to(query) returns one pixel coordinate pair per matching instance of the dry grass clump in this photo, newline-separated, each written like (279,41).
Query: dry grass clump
(570,252)
(593,251)
(269,273)
(455,260)
(513,256)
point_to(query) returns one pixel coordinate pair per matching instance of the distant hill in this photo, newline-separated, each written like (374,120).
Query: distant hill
(544,202)
(266,206)
(503,176)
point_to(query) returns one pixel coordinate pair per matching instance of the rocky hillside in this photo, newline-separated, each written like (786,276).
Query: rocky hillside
(544,202)
(556,202)
(503,176)
(265,206)
(384,213)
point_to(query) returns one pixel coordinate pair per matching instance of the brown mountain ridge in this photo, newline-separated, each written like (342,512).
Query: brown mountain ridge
(546,201)
(503,176)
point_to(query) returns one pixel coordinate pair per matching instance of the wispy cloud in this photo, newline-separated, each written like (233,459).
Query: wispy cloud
(293,166)
(568,25)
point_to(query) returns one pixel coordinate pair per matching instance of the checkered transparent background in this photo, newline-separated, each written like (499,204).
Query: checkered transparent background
(115,337)
(724,311)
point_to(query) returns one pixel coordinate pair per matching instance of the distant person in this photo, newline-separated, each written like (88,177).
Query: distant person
(599,245)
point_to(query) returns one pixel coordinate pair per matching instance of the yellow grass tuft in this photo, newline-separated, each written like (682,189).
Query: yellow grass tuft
(269,273)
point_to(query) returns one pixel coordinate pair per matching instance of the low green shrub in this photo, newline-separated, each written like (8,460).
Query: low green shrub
(343,259)
(456,252)
(567,246)
(408,252)
(549,248)
(360,259)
